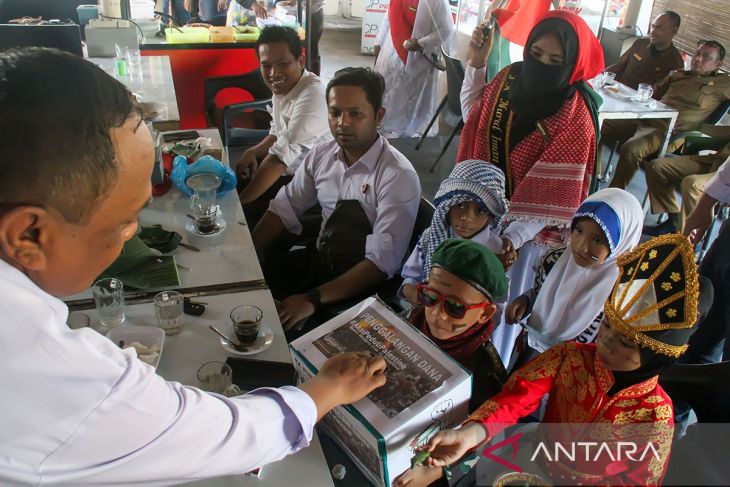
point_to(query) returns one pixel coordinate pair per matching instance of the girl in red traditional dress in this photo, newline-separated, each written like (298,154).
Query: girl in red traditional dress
(607,392)
(537,121)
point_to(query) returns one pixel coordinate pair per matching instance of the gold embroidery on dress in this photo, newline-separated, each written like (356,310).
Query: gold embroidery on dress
(626,403)
(654,399)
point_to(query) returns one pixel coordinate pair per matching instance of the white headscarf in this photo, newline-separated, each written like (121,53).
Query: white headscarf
(572,296)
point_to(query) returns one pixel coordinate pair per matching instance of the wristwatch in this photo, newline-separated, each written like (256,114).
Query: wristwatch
(314,297)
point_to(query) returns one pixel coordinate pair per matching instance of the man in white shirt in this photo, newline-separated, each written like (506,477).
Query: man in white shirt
(299,119)
(369,194)
(711,342)
(76,164)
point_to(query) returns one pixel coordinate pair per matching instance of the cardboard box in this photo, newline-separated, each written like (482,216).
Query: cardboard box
(427,390)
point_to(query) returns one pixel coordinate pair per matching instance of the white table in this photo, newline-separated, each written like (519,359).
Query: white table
(183,354)
(620,106)
(152,81)
(223,259)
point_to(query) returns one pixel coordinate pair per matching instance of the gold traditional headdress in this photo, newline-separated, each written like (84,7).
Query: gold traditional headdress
(654,301)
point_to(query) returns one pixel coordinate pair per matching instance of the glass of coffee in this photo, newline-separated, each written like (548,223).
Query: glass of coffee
(246,321)
(203,202)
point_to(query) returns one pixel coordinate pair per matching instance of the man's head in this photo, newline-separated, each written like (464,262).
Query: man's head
(708,57)
(664,28)
(76,163)
(281,57)
(355,106)
(464,282)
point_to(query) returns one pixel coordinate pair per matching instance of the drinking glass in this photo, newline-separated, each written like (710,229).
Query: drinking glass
(169,311)
(109,300)
(246,321)
(217,377)
(134,59)
(644,92)
(609,77)
(599,81)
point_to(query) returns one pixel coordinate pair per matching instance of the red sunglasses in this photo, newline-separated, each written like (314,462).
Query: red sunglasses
(453,307)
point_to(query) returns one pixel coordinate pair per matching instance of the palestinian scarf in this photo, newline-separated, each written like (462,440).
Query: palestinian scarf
(402,17)
(473,180)
(572,296)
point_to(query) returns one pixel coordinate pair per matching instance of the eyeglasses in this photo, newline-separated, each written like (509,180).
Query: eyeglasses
(452,307)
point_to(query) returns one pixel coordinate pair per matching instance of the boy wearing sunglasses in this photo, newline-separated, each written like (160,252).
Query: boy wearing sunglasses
(456,307)
(455,310)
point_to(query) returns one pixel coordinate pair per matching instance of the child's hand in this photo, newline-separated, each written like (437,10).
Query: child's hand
(509,253)
(447,447)
(410,293)
(418,476)
(515,311)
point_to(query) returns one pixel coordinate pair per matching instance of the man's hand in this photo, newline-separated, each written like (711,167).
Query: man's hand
(420,476)
(295,309)
(410,292)
(447,447)
(480,46)
(515,311)
(222,4)
(188,5)
(259,10)
(344,379)
(247,165)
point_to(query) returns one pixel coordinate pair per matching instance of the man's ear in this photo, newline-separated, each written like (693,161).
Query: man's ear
(302,60)
(487,313)
(379,114)
(23,233)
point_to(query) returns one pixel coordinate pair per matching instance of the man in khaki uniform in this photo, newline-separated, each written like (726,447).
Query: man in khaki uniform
(695,94)
(652,58)
(688,174)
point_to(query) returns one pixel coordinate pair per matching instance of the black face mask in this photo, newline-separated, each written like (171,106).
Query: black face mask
(538,79)
(542,89)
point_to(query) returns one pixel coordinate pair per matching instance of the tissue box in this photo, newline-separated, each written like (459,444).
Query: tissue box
(426,391)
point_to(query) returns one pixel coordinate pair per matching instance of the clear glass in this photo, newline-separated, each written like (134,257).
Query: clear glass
(609,78)
(134,58)
(169,311)
(217,377)
(644,92)
(203,202)
(246,321)
(109,300)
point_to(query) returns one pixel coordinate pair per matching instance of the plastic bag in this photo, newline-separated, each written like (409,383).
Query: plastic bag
(181,171)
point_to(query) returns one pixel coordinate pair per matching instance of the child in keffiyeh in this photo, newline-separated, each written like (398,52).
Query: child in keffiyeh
(470,204)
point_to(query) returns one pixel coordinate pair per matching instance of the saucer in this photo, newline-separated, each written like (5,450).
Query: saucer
(191,227)
(262,342)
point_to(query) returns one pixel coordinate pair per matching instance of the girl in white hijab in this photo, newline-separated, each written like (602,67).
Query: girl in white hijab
(573,283)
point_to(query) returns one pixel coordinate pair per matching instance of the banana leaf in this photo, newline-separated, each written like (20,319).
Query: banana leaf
(140,268)
(158,238)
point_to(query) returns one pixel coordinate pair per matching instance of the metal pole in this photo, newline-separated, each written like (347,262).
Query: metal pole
(606,3)
(308,34)
(299,11)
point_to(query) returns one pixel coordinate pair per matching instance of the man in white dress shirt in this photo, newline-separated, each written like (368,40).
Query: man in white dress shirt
(299,119)
(76,163)
(369,194)
(711,342)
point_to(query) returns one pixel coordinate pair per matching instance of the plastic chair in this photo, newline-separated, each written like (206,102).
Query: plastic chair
(253,83)
(452,101)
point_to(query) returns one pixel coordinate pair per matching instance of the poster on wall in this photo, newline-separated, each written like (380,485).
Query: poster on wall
(371,19)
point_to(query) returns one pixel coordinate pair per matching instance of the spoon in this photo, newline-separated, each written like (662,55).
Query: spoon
(235,344)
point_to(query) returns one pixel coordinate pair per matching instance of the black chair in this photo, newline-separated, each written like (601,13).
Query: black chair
(452,101)
(253,83)
(705,387)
